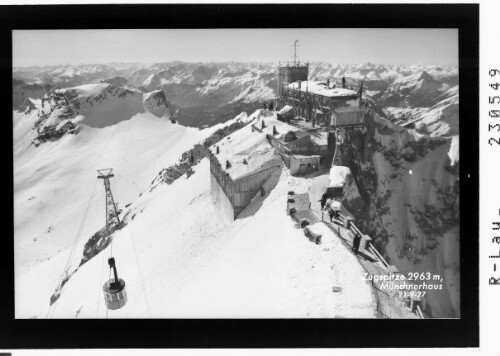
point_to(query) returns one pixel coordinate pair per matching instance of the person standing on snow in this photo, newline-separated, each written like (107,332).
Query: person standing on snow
(334,210)
(331,213)
(355,243)
(323,201)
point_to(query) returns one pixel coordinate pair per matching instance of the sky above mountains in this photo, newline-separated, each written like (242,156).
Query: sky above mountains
(381,46)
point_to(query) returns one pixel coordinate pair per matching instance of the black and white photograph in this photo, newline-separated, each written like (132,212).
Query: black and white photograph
(249,176)
(236,173)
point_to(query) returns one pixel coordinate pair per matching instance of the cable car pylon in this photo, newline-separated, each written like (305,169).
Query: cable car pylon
(114,291)
(112,214)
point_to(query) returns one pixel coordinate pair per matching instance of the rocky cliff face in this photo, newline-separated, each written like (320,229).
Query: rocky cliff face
(23,92)
(62,111)
(409,189)
(190,85)
(156,103)
(440,119)
(420,89)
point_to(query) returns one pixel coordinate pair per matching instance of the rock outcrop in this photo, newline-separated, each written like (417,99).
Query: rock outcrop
(409,189)
(63,111)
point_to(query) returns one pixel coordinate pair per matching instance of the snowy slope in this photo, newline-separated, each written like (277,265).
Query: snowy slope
(177,257)
(419,89)
(440,119)
(180,260)
(185,260)
(54,181)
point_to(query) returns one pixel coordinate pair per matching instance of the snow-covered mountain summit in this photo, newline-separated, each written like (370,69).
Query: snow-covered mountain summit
(418,89)
(439,119)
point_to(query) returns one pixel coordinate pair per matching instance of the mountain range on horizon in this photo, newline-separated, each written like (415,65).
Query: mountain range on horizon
(210,93)
(146,121)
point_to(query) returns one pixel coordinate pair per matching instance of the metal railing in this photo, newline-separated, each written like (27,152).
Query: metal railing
(355,230)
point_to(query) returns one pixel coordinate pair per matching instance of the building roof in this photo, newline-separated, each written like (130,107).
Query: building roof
(247,152)
(319,138)
(320,88)
(282,128)
(285,109)
(306,156)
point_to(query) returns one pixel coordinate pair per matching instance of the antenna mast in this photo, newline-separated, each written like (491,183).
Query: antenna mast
(295,43)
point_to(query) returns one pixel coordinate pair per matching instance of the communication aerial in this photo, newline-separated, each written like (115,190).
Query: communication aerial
(295,44)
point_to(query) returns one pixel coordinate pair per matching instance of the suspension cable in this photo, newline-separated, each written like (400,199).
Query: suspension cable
(99,286)
(73,248)
(140,273)
(80,228)
(109,277)
(109,231)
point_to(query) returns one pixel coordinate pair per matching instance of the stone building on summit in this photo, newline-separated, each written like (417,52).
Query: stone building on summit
(320,103)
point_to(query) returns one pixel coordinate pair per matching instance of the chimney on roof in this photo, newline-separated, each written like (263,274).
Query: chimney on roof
(217,149)
(228,165)
(361,95)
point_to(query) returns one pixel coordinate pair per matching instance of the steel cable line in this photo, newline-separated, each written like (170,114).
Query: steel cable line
(140,273)
(73,248)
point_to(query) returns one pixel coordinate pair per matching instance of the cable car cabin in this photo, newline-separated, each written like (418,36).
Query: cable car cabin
(115,294)
(348,116)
